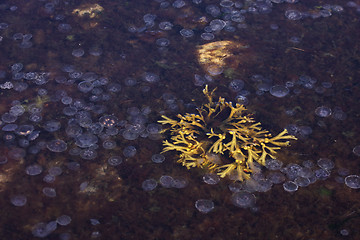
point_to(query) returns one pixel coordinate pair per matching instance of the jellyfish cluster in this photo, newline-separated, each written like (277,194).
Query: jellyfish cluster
(95,95)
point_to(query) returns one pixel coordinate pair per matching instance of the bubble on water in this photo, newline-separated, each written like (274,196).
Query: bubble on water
(211,178)
(279,91)
(356,150)
(325,163)
(290,186)
(204,205)
(56,145)
(293,15)
(49,192)
(114,160)
(158,158)
(149,184)
(33,170)
(323,111)
(18,200)
(63,220)
(166,181)
(243,199)
(353,181)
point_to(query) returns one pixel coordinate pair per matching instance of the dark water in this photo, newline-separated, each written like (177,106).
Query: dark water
(85,82)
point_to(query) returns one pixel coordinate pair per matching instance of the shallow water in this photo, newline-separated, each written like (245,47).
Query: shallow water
(82,86)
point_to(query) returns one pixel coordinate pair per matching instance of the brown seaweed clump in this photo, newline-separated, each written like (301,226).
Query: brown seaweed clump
(222,137)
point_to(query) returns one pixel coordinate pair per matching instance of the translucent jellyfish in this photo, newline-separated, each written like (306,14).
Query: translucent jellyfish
(88,154)
(56,145)
(290,186)
(64,27)
(79,52)
(49,178)
(166,181)
(8,118)
(52,126)
(85,86)
(55,171)
(204,205)
(114,160)
(9,127)
(243,199)
(211,178)
(162,42)
(129,151)
(18,200)
(213,10)
(3,160)
(353,181)
(178,4)
(276,177)
(166,26)
(273,164)
(108,121)
(130,135)
(325,164)
(109,144)
(356,150)
(42,230)
(95,51)
(149,184)
(236,85)
(214,70)
(226,3)
(279,91)
(263,185)
(114,87)
(86,140)
(49,192)
(17,110)
(217,25)
(323,111)
(130,82)
(150,77)
(322,174)
(34,169)
(180,182)
(207,36)
(293,15)
(187,33)
(158,158)
(302,181)
(63,220)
